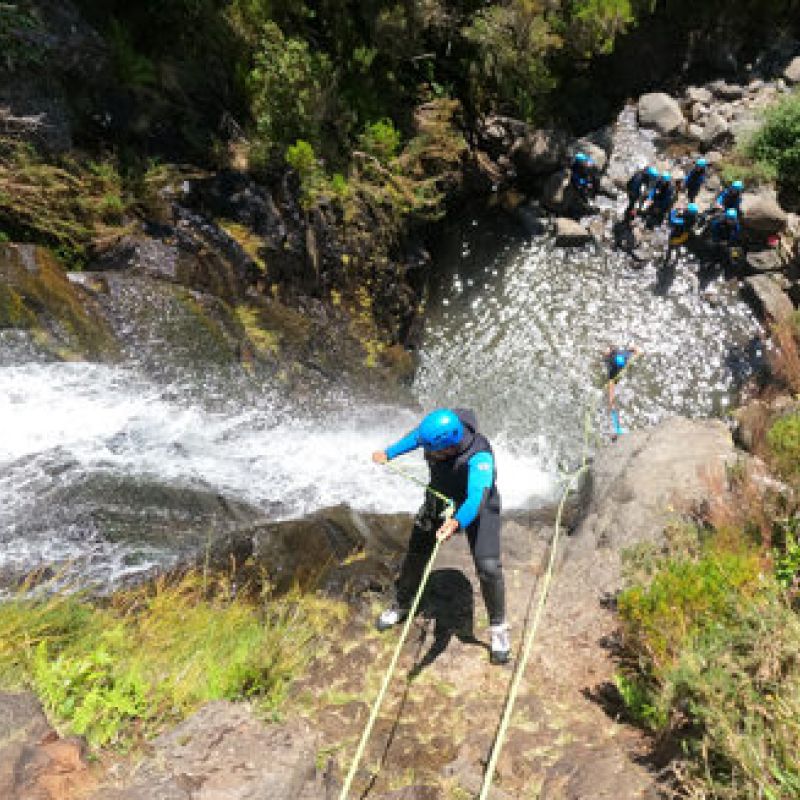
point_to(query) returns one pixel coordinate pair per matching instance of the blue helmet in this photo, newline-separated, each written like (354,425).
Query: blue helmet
(732,214)
(665,176)
(619,359)
(581,157)
(692,208)
(440,429)
(738,185)
(652,172)
(701,162)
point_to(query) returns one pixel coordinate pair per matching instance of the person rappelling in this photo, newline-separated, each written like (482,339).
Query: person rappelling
(462,468)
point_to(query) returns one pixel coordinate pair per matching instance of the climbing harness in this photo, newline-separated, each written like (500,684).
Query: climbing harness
(448,512)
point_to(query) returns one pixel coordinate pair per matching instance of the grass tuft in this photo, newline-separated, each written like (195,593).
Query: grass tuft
(121,671)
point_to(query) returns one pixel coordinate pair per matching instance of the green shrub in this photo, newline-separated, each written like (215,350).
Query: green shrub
(710,658)
(381,139)
(155,654)
(662,617)
(783,441)
(289,86)
(776,145)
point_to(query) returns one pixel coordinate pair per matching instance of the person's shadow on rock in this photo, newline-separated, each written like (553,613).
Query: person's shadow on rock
(449,601)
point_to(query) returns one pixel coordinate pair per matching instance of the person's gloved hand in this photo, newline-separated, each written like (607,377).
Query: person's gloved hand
(447,529)
(379,457)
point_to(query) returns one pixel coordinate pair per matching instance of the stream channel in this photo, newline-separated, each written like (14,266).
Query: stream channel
(99,463)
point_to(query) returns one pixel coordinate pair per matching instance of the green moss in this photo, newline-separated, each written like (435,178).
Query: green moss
(38,295)
(13,312)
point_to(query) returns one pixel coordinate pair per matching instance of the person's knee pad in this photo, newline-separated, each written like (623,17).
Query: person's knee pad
(489,569)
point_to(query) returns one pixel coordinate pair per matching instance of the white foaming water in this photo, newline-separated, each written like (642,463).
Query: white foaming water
(63,426)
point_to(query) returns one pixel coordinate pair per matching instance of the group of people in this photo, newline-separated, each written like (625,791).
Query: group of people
(653,196)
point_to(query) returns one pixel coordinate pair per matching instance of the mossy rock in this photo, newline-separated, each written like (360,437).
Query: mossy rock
(13,311)
(35,294)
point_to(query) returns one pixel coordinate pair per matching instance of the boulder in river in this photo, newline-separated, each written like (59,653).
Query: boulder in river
(770,301)
(761,214)
(716,131)
(570,233)
(539,152)
(663,113)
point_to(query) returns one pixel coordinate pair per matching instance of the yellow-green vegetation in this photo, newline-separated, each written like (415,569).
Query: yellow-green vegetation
(783,441)
(246,239)
(69,205)
(771,154)
(119,671)
(35,293)
(264,340)
(711,644)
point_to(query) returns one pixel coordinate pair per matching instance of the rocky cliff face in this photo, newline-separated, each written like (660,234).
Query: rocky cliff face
(438,722)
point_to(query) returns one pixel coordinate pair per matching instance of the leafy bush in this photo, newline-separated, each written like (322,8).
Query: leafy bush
(776,145)
(783,440)
(381,139)
(290,86)
(710,658)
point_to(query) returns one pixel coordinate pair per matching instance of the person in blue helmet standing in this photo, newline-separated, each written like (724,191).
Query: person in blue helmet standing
(660,200)
(618,359)
(725,228)
(695,179)
(462,467)
(726,234)
(638,187)
(731,197)
(582,176)
(681,224)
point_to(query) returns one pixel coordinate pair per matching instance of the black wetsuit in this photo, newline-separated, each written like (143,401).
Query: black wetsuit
(449,477)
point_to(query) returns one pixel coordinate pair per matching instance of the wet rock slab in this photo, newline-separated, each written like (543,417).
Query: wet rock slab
(224,753)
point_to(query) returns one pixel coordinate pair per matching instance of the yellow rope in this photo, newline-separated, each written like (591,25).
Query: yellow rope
(420,482)
(531,634)
(395,657)
(387,678)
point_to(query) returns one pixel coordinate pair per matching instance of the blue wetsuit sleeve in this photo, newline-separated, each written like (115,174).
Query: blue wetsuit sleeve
(479,479)
(405,445)
(721,197)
